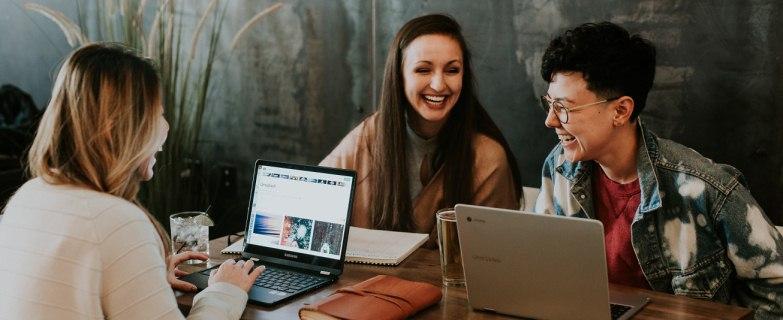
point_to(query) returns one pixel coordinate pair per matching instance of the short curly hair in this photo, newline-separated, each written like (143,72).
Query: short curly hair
(611,60)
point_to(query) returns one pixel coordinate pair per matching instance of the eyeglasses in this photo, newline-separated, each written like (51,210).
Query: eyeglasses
(561,111)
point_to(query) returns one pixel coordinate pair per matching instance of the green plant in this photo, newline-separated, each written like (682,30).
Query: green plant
(186,76)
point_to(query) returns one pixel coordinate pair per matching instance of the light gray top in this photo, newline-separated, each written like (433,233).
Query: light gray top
(417,150)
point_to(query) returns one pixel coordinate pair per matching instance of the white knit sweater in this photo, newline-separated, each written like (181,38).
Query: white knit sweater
(73,253)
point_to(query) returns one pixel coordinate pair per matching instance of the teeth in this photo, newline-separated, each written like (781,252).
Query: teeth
(565,137)
(435,99)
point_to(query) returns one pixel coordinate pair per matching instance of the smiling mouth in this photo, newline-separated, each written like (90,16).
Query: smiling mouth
(436,100)
(566,137)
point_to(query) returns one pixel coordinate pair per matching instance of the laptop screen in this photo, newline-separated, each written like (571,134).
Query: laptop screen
(300,210)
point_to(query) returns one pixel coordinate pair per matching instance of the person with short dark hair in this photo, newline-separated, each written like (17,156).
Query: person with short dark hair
(674,221)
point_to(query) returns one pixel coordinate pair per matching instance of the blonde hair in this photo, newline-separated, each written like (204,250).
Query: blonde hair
(100,125)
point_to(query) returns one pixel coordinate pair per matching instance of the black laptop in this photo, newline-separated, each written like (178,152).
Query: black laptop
(297,226)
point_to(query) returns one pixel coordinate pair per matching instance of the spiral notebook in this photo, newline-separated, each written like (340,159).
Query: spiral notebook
(380,246)
(369,246)
(235,248)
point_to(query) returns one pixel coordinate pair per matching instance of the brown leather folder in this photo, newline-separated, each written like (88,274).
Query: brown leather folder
(380,297)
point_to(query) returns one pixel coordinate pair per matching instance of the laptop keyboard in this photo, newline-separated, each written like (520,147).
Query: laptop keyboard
(618,310)
(287,281)
(284,280)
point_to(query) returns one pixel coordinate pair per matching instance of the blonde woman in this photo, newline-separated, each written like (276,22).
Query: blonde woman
(76,243)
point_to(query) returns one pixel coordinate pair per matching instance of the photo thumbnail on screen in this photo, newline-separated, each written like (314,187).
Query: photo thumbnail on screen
(327,237)
(297,232)
(267,225)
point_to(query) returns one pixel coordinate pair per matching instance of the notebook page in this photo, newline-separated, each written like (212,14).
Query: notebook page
(381,246)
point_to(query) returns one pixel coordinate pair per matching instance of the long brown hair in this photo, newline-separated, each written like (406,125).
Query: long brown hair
(100,125)
(392,206)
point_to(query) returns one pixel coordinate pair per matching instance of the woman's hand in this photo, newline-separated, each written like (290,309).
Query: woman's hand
(174,273)
(237,273)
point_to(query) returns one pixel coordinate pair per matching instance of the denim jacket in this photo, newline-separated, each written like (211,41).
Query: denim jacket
(698,232)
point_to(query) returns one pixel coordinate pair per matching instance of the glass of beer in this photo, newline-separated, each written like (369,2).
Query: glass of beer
(448,243)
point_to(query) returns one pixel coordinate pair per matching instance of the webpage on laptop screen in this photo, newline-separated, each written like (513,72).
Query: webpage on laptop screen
(299,211)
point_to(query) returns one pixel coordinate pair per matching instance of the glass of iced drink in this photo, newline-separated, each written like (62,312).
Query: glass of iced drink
(190,232)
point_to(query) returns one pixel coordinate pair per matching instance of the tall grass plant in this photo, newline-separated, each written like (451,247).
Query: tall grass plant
(187,71)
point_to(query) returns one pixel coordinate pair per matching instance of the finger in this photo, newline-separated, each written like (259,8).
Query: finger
(247,266)
(226,264)
(182,285)
(212,273)
(198,255)
(179,273)
(188,255)
(240,263)
(176,259)
(257,272)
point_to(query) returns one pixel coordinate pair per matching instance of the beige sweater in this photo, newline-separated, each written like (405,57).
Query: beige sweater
(493,183)
(73,253)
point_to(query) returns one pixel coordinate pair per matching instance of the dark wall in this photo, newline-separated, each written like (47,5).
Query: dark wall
(294,87)
(717,87)
(310,72)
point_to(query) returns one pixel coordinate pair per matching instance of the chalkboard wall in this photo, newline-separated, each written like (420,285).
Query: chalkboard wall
(311,72)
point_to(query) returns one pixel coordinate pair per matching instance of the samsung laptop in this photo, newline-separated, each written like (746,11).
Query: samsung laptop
(297,226)
(538,266)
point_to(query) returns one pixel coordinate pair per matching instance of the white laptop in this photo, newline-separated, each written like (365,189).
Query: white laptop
(538,266)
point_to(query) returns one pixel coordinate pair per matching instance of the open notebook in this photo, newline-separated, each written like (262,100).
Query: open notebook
(235,248)
(370,246)
(380,246)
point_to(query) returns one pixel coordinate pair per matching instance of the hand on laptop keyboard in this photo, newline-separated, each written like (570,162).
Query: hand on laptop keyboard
(237,273)
(174,272)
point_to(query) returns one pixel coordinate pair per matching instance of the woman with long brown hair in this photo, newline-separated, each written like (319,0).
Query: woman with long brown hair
(77,243)
(431,144)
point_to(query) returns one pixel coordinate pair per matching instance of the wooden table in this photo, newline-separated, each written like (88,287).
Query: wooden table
(423,265)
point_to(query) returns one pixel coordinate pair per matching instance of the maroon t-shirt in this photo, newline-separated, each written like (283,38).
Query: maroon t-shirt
(615,205)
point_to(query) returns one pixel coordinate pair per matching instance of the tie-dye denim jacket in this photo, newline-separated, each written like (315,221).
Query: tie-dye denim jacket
(697,232)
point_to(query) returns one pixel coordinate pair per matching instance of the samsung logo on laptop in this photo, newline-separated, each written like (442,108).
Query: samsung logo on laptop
(486,259)
(290,255)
